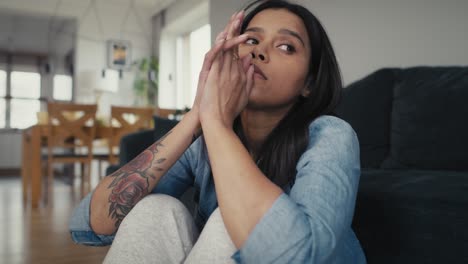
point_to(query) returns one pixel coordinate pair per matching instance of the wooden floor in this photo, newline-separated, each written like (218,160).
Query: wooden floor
(40,235)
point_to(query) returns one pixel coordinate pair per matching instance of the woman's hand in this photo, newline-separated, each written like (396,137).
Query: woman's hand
(221,44)
(229,82)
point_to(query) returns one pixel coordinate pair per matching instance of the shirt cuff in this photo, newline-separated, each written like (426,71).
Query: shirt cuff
(80,228)
(269,241)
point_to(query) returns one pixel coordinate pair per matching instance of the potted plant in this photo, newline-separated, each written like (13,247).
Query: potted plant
(145,85)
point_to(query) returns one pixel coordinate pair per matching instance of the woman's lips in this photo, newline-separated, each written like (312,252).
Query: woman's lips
(259,72)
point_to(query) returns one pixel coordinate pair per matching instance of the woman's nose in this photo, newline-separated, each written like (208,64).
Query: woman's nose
(256,54)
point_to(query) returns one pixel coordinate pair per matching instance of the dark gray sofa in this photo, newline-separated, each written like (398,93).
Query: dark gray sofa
(412,124)
(134,143)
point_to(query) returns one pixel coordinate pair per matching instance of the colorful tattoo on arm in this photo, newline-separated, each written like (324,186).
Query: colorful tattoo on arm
(131,182)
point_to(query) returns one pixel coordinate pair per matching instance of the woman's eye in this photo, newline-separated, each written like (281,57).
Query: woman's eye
(251,41)
(287,48)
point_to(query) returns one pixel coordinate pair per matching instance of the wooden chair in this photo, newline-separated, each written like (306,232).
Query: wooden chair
(165,112)
(71,131)
(128,120)
(124,120)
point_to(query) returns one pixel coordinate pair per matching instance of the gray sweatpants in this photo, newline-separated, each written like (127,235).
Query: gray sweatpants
(160,229)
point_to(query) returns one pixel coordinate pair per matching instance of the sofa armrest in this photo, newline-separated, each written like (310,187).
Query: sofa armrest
(133,144)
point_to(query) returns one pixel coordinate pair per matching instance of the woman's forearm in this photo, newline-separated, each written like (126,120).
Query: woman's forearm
(117,193)
(244,193)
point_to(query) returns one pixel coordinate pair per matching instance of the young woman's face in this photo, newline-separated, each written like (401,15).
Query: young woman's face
(279,41)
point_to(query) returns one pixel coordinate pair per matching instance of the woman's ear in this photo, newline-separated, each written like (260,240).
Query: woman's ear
(305,92)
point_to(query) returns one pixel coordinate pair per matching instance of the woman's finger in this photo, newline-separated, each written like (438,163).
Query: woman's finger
(246,62)
(221,36)
(234,32)
(211,55)
(240,16)
(234,29)
(217,62)
(207,63)
(231,43)
(250,82)
(230,48)
(231,55)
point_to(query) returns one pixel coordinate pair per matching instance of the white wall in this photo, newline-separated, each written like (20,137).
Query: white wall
(371,34)
(220,12)
(10,145)
(91,51)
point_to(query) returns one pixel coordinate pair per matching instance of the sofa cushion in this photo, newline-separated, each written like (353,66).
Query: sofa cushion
(366,106)
(413,216)
(429,128)
(162,126)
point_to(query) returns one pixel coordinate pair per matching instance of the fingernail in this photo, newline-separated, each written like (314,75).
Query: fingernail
(243,36)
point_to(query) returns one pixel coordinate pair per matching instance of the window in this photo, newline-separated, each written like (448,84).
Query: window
(200,44)
(190,52)
(2,113)
(23,112)
(63,87)
(23,91)
(25,94)
(185,39)
(19,99)
(3,86)
(2,83)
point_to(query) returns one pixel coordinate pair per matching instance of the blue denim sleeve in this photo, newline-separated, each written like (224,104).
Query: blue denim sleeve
(180,177)
(173,183)
(80,229)
(307,225)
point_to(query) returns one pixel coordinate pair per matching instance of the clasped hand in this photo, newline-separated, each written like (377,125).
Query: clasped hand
(225,80)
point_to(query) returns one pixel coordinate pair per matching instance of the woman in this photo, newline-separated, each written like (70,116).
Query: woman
(282,171)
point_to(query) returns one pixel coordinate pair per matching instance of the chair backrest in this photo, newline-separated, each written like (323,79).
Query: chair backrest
(130,119)
(125,120)
(165,112)
(71,125)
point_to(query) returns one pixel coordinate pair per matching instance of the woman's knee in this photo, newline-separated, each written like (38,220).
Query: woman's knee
(214,239)
(216,219)
(149,229)
(153,208)
(161,202)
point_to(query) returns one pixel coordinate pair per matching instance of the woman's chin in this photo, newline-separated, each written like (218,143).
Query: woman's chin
(258,88)
(255,101)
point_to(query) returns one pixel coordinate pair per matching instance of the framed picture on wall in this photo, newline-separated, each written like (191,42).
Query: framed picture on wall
(119,54)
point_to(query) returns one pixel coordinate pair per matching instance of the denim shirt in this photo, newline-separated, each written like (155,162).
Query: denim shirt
(309,223)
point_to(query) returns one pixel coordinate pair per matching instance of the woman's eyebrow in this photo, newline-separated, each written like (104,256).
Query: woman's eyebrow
(292,33)
(255,29)
(281,31)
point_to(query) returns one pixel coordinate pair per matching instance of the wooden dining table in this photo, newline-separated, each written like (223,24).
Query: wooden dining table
(31,167)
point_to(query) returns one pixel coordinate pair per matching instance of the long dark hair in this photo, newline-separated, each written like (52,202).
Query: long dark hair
(286,143)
